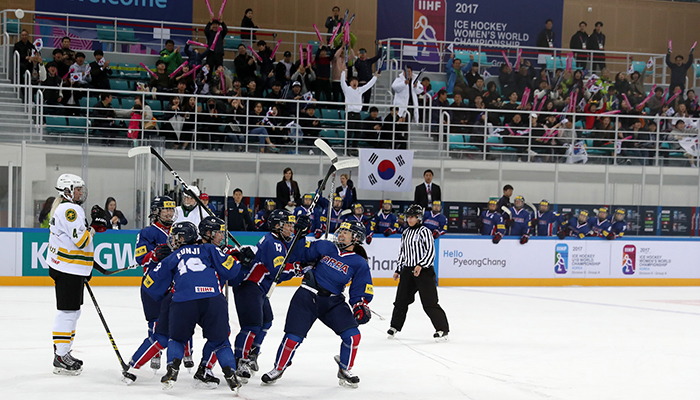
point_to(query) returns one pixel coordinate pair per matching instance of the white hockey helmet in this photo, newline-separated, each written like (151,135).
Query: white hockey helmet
(194,190)
(66,185)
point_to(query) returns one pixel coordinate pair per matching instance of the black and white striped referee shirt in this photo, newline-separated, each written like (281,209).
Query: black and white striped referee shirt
(417,248)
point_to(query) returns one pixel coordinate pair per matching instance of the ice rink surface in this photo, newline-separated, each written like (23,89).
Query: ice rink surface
(505,343)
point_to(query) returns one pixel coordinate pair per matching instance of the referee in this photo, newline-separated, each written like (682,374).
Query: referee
(416,274)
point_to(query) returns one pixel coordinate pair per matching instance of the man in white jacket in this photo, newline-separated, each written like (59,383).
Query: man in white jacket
(353,104)
(406,93)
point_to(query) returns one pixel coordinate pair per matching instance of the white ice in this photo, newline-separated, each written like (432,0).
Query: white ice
(505,343)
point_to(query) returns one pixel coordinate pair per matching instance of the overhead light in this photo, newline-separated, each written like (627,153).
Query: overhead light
(460,170)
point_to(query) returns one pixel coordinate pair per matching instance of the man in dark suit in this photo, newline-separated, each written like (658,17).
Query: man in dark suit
(427,192)
(238,215)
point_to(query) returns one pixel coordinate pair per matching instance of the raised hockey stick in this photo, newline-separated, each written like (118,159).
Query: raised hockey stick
(226,189)
(349,163)
(148,149)
(125,366)
(103,271)
(326,149)
(331,193)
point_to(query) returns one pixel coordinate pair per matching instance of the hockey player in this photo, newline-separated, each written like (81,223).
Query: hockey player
(317,216)
(385,220)
(519,222)
(263,216)
(321,297)
(619,225)
(576,226)
(253,306)
(491,223)
(336,212)
(189,210)
(545,220)
(358,214)
(195,270)
(401,221)
(70,260)
(435,220)
(600,226)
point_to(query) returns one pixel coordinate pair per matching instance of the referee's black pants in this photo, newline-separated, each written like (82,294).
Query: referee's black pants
(425,285)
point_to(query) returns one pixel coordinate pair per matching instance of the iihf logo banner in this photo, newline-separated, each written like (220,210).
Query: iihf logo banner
(387,170)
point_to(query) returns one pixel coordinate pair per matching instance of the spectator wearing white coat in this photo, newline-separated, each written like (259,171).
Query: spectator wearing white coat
(406,93)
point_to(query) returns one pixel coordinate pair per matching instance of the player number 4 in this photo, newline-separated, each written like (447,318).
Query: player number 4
(193,264)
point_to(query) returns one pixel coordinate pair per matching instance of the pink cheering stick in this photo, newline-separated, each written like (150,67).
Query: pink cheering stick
(255,53)
(335,33)
(526,97)
(569,62)
(192,71)
(346,33)
(221,10)
(624,96)
(517,60)
(693,46)
(670,46)
(510,130)
(213,43)
(196,43)
(223,82)
(67,73)
(320,38)
(541,104)
(534,102)
(506,58)
(301,54)
(209,7)
(673,98)
(272,56)
(178,69)
(436,93)
(149,70)
(651,94)
(309,50)
(611,112)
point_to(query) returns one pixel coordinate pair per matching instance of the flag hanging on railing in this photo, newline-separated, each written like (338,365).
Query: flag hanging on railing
(387,170)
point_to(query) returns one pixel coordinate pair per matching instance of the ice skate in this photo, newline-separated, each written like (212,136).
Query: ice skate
(205,378)
(155,362)
(70,355)
(187,361)
(66,365)
(440,336)
(392,332)
(253,359)
(271,377)
(168,380)
(242,371)
(345,377)
(128,378)
(231,379)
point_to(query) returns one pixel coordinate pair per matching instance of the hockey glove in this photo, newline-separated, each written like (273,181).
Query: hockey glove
(100,219)
(479,224)
(534,222)
(303,225)
(497,237)
(295,267)
(369,239)
(318,233)
(161,252)
(436,233)
(524,238)
(561,234)
(361,312)
(387,232)
(509,223)
(611,236)
(246,256)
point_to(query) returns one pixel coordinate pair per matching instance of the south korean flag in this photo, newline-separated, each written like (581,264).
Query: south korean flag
(386,170)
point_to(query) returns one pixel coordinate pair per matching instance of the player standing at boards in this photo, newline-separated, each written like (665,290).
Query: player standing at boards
(386,220)
(336,210)
(321,297)
(600,225)
(519,222)
(358,214)
(490,223)
(545,220)
(435,220)
(576,226)
(189,210)
(195,270)
(619,226)
(253,306)
(317,215)
(263,216)
(70,259)
(416,274)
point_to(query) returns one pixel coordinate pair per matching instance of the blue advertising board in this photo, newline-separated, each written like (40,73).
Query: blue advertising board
(159,10)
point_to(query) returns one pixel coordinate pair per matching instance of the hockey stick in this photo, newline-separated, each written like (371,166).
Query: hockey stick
(103,271)
(350,163)
(147,149)
(507,211)
(378,316)
(125,366)
(341,215)
(331,193)
(226,189)
(326,149)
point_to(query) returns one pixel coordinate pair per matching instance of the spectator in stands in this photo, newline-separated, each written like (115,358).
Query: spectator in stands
(459,115)
(260,121)
(238,89)
(406,90)
(191,110)
(592,107)
(238,214)
(160,82)
(656,102)
(691,103)
(622,85)
(68,54)
(511,105)
(61,67)
(294,94)
(215,86)
(188,80)
(147,114)
(372,127)
(252,90)
(216,56)
(394,130)
(478,121)
(516,135)
(346,191)
(427,91)
(363,66)
(275,96)
(267,72)
(679,69)
(491,96)
(171,56)
(337,67)
(333,21)
(245,65)
(236,127)
(210,121)
(25,48)
(546,38)
(117,218)
(596,42)
(440,104)
(306,76)
(195,56)
(205,200)
(525,78)
(288,194)
(603,133)
(100,71)
(53,97)
(249,28)
(323,72)
(310,127)
(456,75)
(579,41)
(506,80)
(45,213)
(283,69)
(353,105)
(104,117)
(81,70)
(174,120)
(678,101)
(637,91)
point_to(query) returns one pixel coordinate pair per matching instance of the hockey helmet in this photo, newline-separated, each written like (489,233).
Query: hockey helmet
(211,225)
(602,213)
(66,184)
(493,203)
(270,204)
(520,199)
(182,233)
(194,189)
(337,202)
(160,203)
(583,214)
(415,210)
(544,205)
(357,233)
(355,206)
(437,205)
(386,203)
(309,197)
(277,222)
(620,214)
